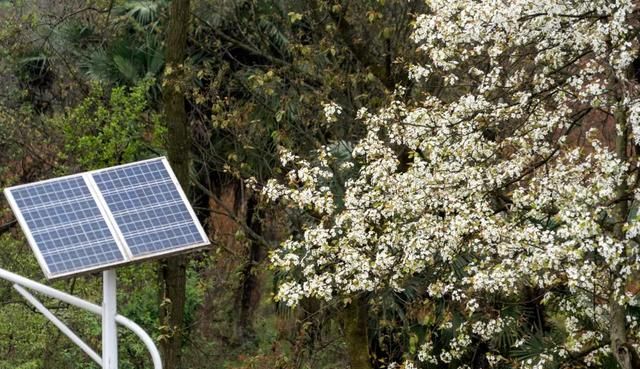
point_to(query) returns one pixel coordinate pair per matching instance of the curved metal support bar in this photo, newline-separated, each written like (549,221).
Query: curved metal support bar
(144,337)
(90,307)
(58,323)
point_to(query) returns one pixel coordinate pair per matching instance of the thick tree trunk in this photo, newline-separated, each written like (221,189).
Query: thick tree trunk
(249,294)
(173,296)
(173,270)
(356,326)
(625,354)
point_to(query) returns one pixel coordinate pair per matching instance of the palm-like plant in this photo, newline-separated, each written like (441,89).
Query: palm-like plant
(126,53)
(125,63)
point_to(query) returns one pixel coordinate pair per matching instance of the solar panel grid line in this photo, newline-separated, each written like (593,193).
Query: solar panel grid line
(138,186)
(157,228)
(75,235)
(99,172)
(123,212)
(151,197)
(152,225)
(78,246)
(82,258)
(45,206)
(62,182)
(190,241)
(44,182)
(158,186)
(62,226)
(151,207)
(58,216)
(42,204)
(83,204)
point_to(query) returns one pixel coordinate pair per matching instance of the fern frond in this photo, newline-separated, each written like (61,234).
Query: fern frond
(143,12)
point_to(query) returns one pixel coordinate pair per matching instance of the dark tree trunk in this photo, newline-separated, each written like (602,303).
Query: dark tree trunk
(624,353)
(172,294)
(249,294)
(356,327)
(173,270)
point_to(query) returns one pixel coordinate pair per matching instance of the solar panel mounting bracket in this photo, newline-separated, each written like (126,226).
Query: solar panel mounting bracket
(22,285)
(95,221)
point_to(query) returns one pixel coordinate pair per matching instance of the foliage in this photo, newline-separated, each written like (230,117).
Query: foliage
(486,187)
(265,69)
(468,173)
(260,75)
(101,132)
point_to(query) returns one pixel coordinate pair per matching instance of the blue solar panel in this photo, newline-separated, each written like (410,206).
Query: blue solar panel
(104,218)
(148,208)
(68,231)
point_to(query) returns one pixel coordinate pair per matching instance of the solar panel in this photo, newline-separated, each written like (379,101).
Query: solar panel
(149,208)
(65,225)
(95,220)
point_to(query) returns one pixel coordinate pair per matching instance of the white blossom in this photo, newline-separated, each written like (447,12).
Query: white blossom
(331,112)
(494,175)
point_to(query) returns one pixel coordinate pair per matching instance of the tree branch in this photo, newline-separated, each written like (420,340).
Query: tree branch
(4,228)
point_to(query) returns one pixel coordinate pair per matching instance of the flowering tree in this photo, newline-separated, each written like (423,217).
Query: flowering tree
(519,172)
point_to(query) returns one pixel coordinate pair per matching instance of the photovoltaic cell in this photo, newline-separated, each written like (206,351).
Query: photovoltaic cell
(107,217)
(66,225)
(148,208)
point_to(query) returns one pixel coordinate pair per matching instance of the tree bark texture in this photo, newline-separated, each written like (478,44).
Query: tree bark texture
(249,293)
(173,270)
(624,353)
(173,297)
(356,326)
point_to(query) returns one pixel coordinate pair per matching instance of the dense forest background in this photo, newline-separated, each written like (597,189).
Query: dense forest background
(88,84)
(387,184)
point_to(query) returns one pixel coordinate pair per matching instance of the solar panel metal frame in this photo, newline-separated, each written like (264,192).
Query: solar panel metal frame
(109,220)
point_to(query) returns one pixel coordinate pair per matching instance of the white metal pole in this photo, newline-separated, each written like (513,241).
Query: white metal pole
(85,305)
(109,330)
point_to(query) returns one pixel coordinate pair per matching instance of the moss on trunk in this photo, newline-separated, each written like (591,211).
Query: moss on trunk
(173,270)
(356,325)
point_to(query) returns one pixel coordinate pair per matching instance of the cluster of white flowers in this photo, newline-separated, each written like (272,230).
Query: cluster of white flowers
(500,172)
(331,112)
